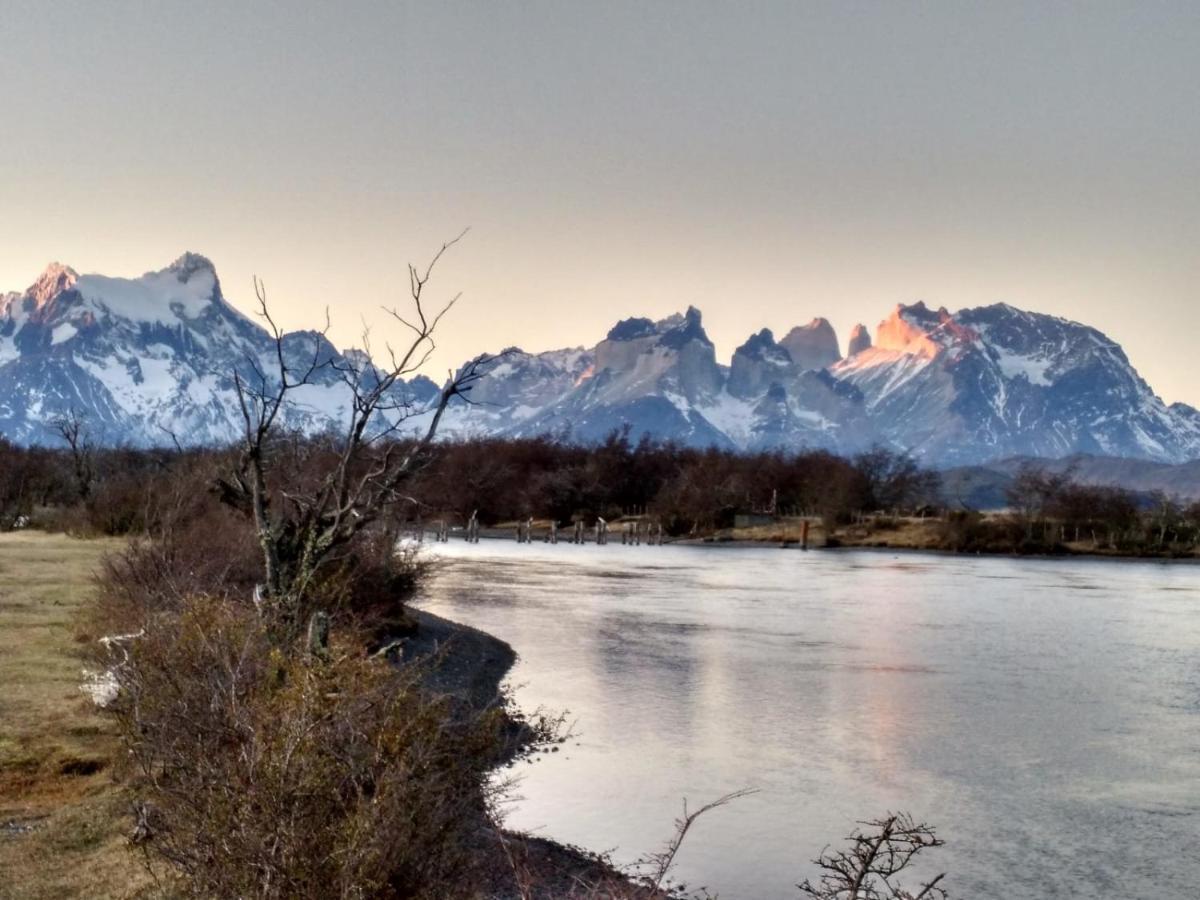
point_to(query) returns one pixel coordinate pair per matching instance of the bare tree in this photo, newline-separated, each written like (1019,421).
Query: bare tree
(1032,490)
(658,866)
(72,428)
(892,480)
(867,871)
(300,529)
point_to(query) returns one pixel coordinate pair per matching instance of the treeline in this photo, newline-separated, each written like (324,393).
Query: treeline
(118,491)
(82,488)
(688,490)
(1053,509)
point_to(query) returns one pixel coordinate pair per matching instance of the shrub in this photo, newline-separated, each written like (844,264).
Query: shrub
(879,851)
(267,773)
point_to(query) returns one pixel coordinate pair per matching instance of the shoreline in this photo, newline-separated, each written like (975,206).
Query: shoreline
(884,547)
(473,671)
(729,538)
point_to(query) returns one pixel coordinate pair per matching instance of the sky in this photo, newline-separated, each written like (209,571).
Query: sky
(765,162)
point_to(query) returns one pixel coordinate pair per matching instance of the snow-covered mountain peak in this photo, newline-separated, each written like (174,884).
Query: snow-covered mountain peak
(189,264)
(186,290)
(147,356)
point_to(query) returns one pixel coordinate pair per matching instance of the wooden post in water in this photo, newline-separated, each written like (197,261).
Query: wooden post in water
(804,535)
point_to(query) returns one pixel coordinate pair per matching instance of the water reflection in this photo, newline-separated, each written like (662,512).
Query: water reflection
(1044,714)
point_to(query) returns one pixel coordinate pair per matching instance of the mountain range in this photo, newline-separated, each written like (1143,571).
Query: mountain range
(150,359)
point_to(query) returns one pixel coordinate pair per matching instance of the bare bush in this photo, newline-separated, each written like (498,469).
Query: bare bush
(879,851)
(269,774)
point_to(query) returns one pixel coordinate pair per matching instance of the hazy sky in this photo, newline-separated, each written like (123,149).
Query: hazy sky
(767,162)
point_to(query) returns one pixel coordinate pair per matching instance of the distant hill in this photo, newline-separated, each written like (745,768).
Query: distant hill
(983,486)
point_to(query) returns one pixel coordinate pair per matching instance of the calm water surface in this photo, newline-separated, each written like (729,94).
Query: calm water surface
(1044,715)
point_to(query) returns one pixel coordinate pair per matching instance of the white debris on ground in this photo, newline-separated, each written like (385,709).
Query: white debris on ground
(104,687)
(101,688)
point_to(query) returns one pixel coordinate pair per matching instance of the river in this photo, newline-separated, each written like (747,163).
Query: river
(1044,715)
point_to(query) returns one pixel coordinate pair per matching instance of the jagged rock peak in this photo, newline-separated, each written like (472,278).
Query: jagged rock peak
(683,329)
(674,331)
(756,364)
(52,282)
(812,346)
(860,340)
(629,329)
(757,343)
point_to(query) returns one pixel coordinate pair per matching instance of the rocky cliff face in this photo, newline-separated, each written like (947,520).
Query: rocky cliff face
(759,363)
(151,359)
(653,376)
(812,346)
(860,340)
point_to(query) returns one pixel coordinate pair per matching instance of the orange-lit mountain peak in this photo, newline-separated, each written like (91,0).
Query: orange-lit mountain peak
(918,330)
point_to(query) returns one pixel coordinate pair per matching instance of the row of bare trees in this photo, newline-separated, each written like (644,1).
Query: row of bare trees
(687,489)
(1053,506)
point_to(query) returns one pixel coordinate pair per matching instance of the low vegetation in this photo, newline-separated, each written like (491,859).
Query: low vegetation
(880,498)
(690,491)
(63,820)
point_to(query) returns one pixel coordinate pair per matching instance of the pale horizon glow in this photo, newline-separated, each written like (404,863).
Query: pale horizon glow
(767,164)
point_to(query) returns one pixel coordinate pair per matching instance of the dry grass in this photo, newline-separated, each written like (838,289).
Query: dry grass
(63,821)
(904,532)
(786,530)
(907,532)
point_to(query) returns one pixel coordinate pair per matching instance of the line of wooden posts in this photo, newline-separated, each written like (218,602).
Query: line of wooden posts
(632,533)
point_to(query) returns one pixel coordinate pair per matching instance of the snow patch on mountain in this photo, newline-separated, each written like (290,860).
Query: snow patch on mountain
(1015,365)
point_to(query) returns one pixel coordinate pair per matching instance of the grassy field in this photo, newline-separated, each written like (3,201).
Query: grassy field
(63,820)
